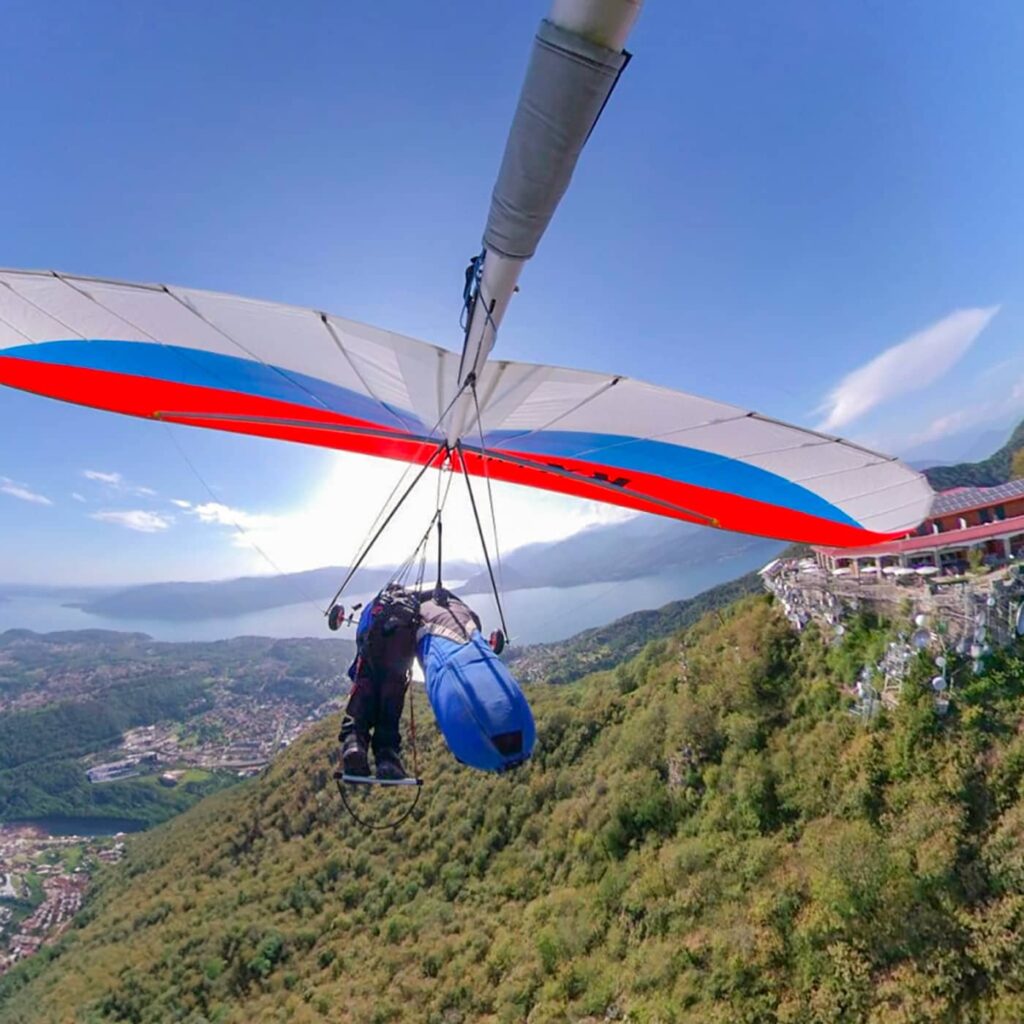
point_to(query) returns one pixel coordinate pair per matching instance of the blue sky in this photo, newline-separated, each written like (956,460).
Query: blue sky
(809,208)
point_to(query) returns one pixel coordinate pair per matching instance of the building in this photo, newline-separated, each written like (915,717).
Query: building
(113,770)
(954,587)
(968,526)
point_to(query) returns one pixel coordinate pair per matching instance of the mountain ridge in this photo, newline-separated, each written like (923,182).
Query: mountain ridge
(705,834)
(987,473)
(617,552)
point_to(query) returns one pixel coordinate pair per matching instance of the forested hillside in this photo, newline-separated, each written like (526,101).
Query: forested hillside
(996,469)
(67,698)
(706,834)
(602,647)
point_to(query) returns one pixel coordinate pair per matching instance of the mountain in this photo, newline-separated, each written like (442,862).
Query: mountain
(9,591)
(635,549)
(985,443)
(987,473)
(643,546)
(705,834)
(602,647)
(970,445)
(605,646)
(229,598)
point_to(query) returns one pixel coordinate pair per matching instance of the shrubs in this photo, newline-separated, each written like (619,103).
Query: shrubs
(714,839)
(645,806)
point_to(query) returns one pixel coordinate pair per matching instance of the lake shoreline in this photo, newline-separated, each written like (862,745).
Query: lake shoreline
(61,827)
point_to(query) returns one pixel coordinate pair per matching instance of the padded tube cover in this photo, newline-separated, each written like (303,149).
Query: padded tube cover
(567,84)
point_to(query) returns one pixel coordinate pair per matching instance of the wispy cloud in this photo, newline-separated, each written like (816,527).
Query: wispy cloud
(137,519)
(223,515)
(114,479)
(913,364)
(117,482)
(77,496)
(180,503)
(977,414)
(17,490)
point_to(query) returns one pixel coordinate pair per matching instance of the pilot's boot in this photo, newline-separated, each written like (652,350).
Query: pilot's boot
(353,755)
(389,765)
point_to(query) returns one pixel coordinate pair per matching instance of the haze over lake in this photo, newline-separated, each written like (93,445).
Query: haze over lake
(534,615)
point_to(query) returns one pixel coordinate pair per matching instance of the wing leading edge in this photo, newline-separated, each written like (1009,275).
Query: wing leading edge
(238,365)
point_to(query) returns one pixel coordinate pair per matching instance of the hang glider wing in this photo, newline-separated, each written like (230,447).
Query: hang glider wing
(234,364)
(645,447)
(221,361)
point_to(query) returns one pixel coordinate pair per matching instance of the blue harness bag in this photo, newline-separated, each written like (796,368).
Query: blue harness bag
(480,709)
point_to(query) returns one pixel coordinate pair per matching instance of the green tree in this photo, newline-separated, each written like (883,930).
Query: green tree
(700,836)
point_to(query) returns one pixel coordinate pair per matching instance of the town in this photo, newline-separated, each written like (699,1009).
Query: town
(178,719)
(238,734)
(43,880)
(227,706)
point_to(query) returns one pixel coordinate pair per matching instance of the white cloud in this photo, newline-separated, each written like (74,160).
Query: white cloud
(948,424)
(114,479)
(77,496)
(117,482)
(969,416)
(223,515)
(913,364)
(16,490)
(180,503)
(135,519)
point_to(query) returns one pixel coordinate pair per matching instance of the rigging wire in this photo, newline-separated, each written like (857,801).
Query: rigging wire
(483,541)
(490,494)
(419,553)
(366,545)
(391,515)
(440,528)
(383,507)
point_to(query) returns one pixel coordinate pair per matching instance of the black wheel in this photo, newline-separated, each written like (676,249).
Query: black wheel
(335,616)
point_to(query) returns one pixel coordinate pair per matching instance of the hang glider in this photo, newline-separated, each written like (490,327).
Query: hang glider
(234,364)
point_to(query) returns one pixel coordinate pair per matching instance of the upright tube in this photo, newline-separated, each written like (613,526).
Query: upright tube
(605,22)
(577,57)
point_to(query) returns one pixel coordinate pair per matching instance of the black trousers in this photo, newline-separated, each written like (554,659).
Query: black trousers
(374,710)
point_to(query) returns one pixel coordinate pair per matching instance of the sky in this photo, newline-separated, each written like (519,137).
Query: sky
(812,209)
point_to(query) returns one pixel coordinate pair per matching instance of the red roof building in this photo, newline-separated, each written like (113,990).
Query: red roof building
(986,520)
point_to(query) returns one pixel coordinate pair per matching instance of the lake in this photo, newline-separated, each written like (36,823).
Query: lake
(58,826)
(534,615)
